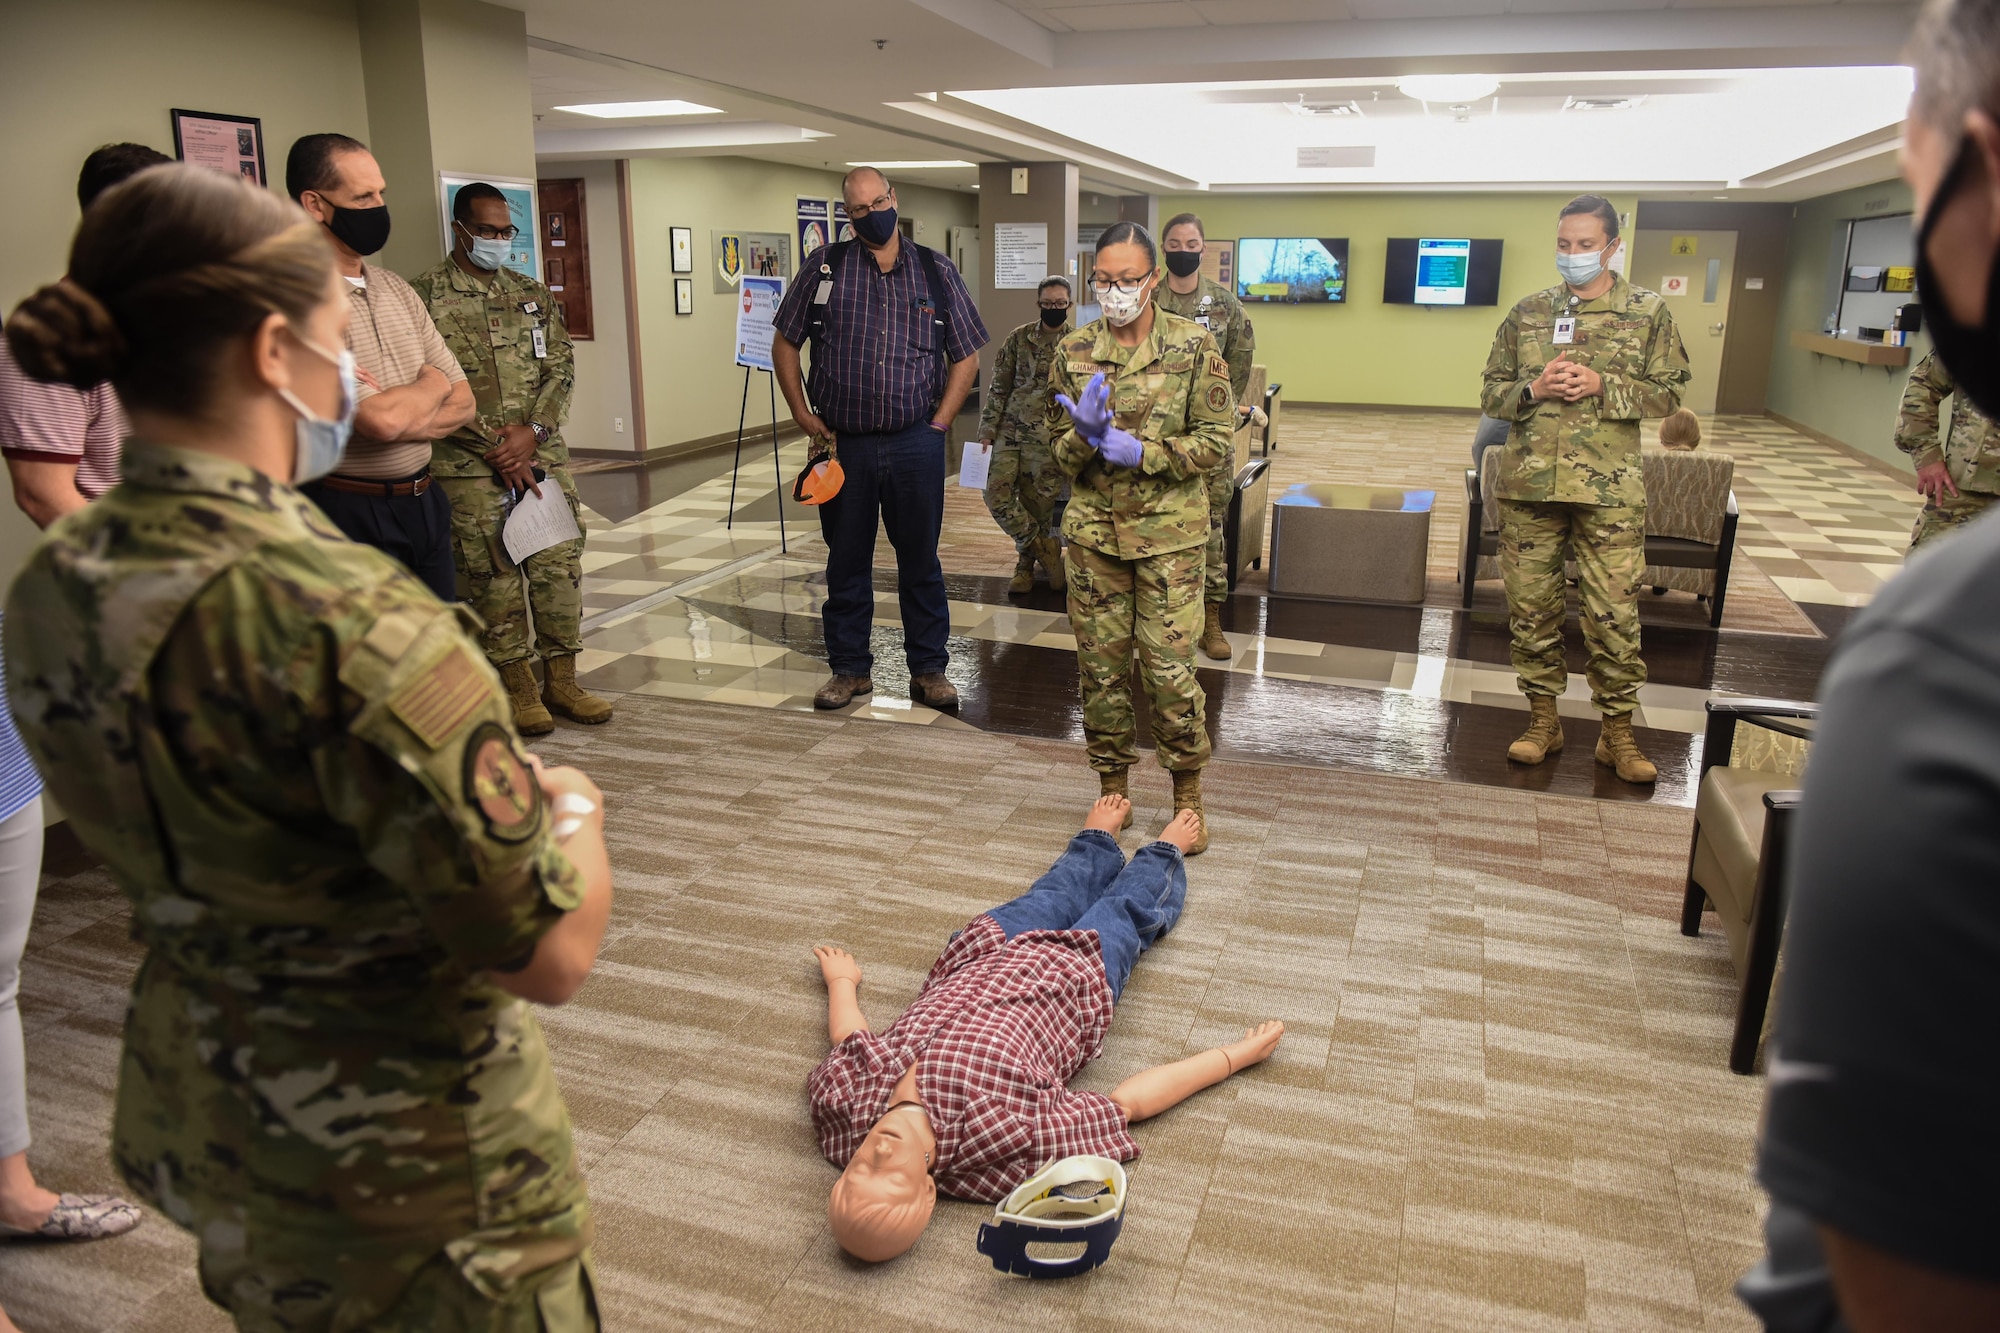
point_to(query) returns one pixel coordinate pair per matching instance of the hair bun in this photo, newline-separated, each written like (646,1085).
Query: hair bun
(64,334)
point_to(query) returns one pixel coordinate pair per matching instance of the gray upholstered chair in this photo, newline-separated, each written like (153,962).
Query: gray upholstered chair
(1690,524)
(1736,864)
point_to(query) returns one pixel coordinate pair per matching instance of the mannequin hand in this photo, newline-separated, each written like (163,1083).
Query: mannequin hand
(1121,448)
(837,965)
(1093,415)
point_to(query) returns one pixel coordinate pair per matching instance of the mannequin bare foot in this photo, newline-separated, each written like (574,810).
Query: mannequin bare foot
(1182,832)
(1108,814)
(1256,1046)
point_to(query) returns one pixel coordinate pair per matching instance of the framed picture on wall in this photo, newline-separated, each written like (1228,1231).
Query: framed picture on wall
(233,145)
(683,296)
(682,239)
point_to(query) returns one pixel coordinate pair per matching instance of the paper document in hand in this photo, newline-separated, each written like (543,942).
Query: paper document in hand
(973,464)
(539,522)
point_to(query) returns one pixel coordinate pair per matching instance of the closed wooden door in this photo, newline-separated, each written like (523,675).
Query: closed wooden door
(566,253)
(1694,272)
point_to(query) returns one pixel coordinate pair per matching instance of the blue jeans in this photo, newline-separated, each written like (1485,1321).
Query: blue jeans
(1091,887)
(900,476)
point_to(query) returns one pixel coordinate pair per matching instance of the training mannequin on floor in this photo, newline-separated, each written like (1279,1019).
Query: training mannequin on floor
(965,1092)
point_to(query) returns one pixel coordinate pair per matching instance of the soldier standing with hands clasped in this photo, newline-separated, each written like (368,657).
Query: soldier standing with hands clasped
(1023,484)
(1960,476)
(1188,294)
(1574,369)
(1146,395)
(502,326)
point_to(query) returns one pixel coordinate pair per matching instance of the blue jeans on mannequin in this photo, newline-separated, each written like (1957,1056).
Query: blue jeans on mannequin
(898,476)
(1092,887)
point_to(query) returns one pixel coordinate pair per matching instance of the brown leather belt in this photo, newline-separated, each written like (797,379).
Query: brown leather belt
(363,486)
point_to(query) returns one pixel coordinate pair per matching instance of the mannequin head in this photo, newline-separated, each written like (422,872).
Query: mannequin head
(885,1197)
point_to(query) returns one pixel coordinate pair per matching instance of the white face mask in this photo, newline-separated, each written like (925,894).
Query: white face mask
(1582,269)
(1119,308)
(318,441)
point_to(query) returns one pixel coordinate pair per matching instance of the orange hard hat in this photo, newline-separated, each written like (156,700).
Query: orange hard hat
(818,482)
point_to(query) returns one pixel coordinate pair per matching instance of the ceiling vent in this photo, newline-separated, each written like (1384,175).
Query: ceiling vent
(1601,103)
(1307,107)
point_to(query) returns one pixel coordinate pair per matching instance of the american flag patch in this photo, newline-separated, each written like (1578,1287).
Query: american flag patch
(437,703)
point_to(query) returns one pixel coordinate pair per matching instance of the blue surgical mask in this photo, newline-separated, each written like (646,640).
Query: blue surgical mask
(319,442)
(488,254)
(1580,270)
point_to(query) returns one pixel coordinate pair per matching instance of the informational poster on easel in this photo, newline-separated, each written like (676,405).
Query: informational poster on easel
(757,301)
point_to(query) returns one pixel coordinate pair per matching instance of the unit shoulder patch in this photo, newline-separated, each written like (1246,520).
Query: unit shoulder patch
(1218,397)
(500,784)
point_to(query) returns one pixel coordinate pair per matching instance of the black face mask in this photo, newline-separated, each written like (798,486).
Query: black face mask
(1181,263)
(362,230)
(1053,319)
(876,226)
(1970,352)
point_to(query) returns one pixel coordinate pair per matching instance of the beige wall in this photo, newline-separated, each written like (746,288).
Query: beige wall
(692,386)
(87,72)
(603,367)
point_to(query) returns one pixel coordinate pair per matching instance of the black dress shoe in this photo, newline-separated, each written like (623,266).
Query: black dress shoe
(933,691)
(839,690)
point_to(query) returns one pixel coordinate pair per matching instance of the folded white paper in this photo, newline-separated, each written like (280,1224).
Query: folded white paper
(972,466)
(538,523)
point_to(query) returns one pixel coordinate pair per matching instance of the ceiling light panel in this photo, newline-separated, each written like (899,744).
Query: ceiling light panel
(1696,127)
(1448,87)
(671,106)
(912,166)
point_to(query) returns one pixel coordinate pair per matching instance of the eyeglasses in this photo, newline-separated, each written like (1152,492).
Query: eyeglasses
(486,233)
(884,202)
(1053,305)
(1128,287)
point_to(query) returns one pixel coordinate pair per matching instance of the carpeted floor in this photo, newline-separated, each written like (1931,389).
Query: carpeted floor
(1501,1103)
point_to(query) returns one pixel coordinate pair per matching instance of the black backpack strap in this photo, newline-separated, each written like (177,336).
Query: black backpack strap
(940,304)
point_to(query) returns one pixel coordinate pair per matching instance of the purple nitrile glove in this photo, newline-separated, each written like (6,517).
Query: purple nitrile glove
(1121,448)
(1093,415)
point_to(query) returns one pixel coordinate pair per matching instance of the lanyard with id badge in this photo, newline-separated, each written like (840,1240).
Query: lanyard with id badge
(539,335)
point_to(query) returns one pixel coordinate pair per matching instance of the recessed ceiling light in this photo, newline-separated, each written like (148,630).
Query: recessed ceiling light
(1448,87)
(1302,107)
(672,106)
(910,166)
(1601,103)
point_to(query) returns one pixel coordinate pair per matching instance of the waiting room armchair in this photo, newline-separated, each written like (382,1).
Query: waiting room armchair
(1736,863)
(1690,524)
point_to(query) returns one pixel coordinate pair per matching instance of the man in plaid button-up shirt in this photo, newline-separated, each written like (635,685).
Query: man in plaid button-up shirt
(882,396)
(966,1092)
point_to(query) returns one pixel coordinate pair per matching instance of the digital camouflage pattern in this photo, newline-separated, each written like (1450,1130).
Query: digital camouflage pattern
(1023,483)
(1136,535)
(1971,454)
(1216,309)
(490,583)
(304,776)
(1172,392)
(1608,543)
(489,324)
(1586,452)
(1149,608)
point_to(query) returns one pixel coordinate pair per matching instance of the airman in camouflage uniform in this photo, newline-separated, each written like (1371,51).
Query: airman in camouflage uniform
(1970,458)
(1570,487)
(1216,309)
(1135,538)
(303,773)
(503,328)
(1023,484)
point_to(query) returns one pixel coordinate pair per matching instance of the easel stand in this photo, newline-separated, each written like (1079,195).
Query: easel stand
(777,470)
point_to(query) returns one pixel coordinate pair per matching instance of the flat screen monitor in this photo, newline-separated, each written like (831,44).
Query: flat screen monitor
(1292,270)
(1441,270)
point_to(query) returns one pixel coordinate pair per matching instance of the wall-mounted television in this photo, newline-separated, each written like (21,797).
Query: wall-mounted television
(1441,270)
(1292,270)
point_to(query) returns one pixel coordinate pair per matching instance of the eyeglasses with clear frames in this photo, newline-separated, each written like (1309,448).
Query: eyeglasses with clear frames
(1101,282)
(883,201)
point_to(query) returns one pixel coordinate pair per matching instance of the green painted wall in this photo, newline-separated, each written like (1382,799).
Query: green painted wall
(1854,404)
(1368,352)
(693,388)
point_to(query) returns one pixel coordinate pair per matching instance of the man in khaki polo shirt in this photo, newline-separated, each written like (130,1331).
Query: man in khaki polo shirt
(412,390)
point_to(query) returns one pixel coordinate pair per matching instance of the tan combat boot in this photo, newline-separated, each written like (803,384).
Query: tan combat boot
(1187,796)
(1544,736)
(1213,642)
(562,694)
(1024,574)
(1618,749)
(1049,551)
(1114,784)
(530,718)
